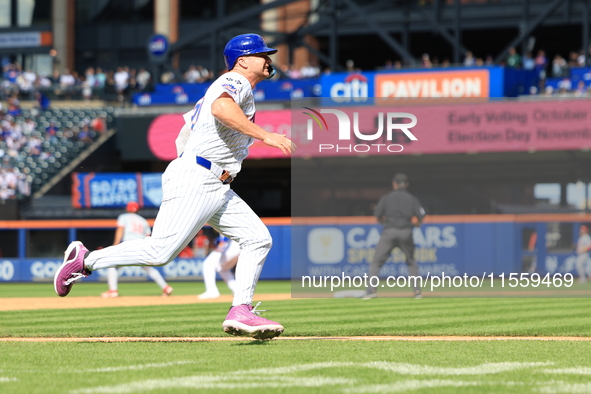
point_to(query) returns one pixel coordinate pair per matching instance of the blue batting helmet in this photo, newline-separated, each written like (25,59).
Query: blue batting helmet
(244,44)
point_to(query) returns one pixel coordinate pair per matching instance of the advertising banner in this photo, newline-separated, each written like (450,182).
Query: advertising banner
(445,128)
(115,190)
(26,39)
(165,128)
(332,250)
(190,93)
(323,255)
(359,88)
(456,83)
(440,128)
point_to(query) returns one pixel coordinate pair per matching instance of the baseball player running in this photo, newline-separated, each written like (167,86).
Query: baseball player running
(221,260)
(196,190)
(131,226)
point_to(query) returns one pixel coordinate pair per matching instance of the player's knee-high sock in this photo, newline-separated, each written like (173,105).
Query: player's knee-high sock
(154,274)
(248,269)
(112,278)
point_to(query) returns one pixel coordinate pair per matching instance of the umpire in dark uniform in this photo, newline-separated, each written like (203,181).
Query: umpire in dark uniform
(396,211)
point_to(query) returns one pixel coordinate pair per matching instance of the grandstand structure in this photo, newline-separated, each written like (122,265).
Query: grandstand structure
(113,33)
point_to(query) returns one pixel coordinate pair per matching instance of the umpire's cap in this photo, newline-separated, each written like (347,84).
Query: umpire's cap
(133,207)
(245,44)
(400,179)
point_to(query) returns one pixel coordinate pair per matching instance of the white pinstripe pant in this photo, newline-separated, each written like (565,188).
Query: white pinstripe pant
(192,197)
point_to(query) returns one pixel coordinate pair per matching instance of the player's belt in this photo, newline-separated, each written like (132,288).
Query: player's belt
(216,170)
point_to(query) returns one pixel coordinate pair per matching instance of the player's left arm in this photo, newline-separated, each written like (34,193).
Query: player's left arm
(118,235)
(225,110)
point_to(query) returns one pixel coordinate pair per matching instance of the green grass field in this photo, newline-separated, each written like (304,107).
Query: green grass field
(299,365)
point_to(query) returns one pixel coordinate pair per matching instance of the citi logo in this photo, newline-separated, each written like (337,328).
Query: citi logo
(388,122)
(354,88)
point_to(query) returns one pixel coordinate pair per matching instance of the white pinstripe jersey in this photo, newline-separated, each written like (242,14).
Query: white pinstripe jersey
(211,139)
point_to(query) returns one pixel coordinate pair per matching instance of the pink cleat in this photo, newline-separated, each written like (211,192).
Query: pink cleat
(71,270)
(244,320)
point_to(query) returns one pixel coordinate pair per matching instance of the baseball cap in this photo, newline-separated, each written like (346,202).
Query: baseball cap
(133,206)
(400,178)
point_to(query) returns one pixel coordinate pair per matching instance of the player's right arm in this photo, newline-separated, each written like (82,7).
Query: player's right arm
(226,111)
(181,139)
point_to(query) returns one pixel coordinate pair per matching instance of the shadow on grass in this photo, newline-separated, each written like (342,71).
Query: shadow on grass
(254,342)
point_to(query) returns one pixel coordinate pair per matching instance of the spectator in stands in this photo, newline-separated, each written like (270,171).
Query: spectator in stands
(513,59)
(581,89)
(573,59)
(51,132)
(91,81)
(29,126)
(167,77)
(309,71)
(479,62)
(559,67)
(143,78)
(99,124)
(25,86)
(192,75)
(83,134)
(205,73)
(426,61)
(11,73)
(294,73)
(121,78)
(132,87)
(548,91)
(55,77)
(349,64)
(86,89)
(110,88)
(66,83)
(101,78)
(469,60)
(35,146)
(541,62)
(42,82)
(14,108)
(529,62)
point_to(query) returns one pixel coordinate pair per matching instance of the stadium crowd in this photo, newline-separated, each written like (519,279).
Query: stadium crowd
(121,83)
(31,140)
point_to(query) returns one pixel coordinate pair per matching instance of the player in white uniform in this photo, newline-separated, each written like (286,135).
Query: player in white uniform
(132,226)
(214,141)
(221,260)
(583,248)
